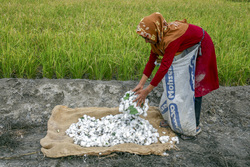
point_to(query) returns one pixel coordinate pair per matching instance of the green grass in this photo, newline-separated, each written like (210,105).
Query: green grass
(96,39)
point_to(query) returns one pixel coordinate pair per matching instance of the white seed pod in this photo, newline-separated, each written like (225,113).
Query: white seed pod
(164,139)
(176,139)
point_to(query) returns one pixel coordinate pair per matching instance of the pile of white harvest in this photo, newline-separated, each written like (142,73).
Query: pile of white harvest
(127,106)
(117,129)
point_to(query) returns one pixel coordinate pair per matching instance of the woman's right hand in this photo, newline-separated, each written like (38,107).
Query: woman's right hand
(140,84)
(138,88)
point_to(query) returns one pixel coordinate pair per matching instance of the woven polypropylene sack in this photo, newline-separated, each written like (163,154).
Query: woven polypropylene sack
(177,101)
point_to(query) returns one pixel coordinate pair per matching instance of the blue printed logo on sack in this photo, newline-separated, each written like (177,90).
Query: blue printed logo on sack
(192,72)
(164,108)
(170,86)
(175,119)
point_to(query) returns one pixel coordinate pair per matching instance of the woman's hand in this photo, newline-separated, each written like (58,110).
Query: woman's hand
(141,83)
(142,94)
(138,88)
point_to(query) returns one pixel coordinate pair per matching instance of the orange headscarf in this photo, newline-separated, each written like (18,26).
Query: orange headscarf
(155,28)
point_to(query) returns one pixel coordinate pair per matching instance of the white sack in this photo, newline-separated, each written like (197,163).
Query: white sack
(177,101)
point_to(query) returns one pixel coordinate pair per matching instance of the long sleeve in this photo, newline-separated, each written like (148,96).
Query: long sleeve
(166,62)
(150,64)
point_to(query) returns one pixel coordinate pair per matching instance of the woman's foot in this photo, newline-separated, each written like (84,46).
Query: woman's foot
(198,130)
(164,124)
(184,137)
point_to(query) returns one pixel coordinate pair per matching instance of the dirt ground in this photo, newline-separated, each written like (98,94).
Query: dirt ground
(26,105)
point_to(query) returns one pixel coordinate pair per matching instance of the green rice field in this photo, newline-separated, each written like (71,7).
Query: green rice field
(96,39)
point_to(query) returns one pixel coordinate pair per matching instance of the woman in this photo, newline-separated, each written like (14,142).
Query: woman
(167,39)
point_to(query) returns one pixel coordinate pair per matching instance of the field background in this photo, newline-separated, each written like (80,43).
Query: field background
(96,39)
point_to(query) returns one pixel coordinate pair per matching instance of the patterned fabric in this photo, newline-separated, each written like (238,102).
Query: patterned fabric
(155,28)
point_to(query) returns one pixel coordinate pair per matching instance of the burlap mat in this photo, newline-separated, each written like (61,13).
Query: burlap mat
(57,144)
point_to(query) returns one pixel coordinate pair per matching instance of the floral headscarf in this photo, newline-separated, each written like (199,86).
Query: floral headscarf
(155,28)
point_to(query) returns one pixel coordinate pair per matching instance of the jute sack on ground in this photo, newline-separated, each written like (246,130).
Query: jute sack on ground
(57,144)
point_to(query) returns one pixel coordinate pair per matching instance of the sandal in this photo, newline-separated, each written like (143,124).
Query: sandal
(184,137)
(198,131)
(164,124)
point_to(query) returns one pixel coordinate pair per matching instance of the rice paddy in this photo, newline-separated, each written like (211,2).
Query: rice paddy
(97,40)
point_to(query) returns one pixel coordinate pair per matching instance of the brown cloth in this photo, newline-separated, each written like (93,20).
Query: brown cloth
(57,144)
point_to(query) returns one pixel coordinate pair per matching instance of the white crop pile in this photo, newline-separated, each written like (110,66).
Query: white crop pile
(127,106)
(111,130)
